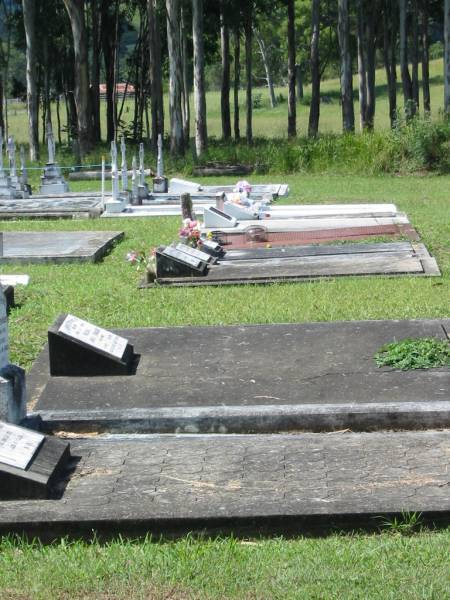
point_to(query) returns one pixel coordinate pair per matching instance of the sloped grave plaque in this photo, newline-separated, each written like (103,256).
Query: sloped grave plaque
(204,256)
(211,247)
(213,217)
(79,348)
(30,463)
(171,262)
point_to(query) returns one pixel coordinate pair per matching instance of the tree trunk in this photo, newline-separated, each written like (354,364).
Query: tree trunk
(447,56)
(225,86)
(175,77)
(292,105)
(237,82)
(95,72)
(263,52)
(186,110)
(314,109)
(75,9)
(31,58)
(425,58)
(406,78)
(348,114)
(2,98)
(371,65)
(156,88)
(415,56)
(389,56)
(201,132)
(248,70)
(299,80)
(362,67)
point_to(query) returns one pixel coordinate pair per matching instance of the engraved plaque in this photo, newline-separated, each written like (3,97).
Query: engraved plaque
(221,213)
(18,445)
(94,336)
(186,258)
(193,252)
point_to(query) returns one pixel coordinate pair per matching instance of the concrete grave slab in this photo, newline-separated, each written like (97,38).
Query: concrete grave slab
(269,265)
(45,207)
(310,376)
(242,484)
(57,246)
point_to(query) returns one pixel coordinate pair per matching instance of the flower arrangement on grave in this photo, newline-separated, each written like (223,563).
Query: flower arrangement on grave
(189,233)
(144,260)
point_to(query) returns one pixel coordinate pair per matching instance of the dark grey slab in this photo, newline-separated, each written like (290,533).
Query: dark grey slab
(315,250)
(252,266)
(278,376)
(169,484)
(69,207)
(57,246)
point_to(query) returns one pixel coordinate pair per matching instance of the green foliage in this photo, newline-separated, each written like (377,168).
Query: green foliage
(421,353)
(406,524)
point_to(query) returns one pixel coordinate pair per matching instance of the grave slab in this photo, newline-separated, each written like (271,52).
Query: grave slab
(258,265)
(58,207)
(242,484)
(310,376)
(57,246)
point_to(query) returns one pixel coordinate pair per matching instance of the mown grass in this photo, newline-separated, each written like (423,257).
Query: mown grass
(353,566)
(385,565)
(107,292)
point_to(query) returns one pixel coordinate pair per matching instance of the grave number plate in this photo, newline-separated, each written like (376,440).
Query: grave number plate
(94,336)
(18,445)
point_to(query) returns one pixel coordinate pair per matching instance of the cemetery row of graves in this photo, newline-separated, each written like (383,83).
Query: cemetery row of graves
(172,429)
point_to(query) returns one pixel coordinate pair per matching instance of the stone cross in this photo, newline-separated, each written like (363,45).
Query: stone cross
(160,160)
(50,144)
(12,157)
(141,165)
(23,166)
(114,174)
(124,165)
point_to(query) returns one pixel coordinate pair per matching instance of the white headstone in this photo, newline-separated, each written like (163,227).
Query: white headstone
(50,144)
(114,174)
(12,157)
(124,165)
(160,160)
(141,165)
(1,149)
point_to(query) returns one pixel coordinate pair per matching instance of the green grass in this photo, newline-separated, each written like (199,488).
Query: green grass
(107,293)
(420,353)
(352,567)
(385,565)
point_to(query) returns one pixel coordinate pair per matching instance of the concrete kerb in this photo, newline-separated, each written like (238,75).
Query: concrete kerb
(251,419)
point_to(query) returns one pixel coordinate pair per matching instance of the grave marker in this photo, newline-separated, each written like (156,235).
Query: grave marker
(6,189)
(173,262)
(79,348)
(213,217)
(212,248)
(30,463)
(52,181)
(204,256)
(160,183)
(143,192)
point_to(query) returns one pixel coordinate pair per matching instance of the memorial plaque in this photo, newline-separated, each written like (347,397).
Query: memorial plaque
(94,336)
(4,346)
(211,247)
(172,262)
(18,445)
(222,214)
(80,348)
(205,257)
(192,261)
(31,464)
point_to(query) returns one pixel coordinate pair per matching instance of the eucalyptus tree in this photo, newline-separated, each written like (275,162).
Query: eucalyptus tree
(314,110)
(76,12)
(225,79)
(201,132)
(292,107)
(447,56)
(348,115)
(155,68)
(404,69)
(29,22)
(177,142)
(390,28)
